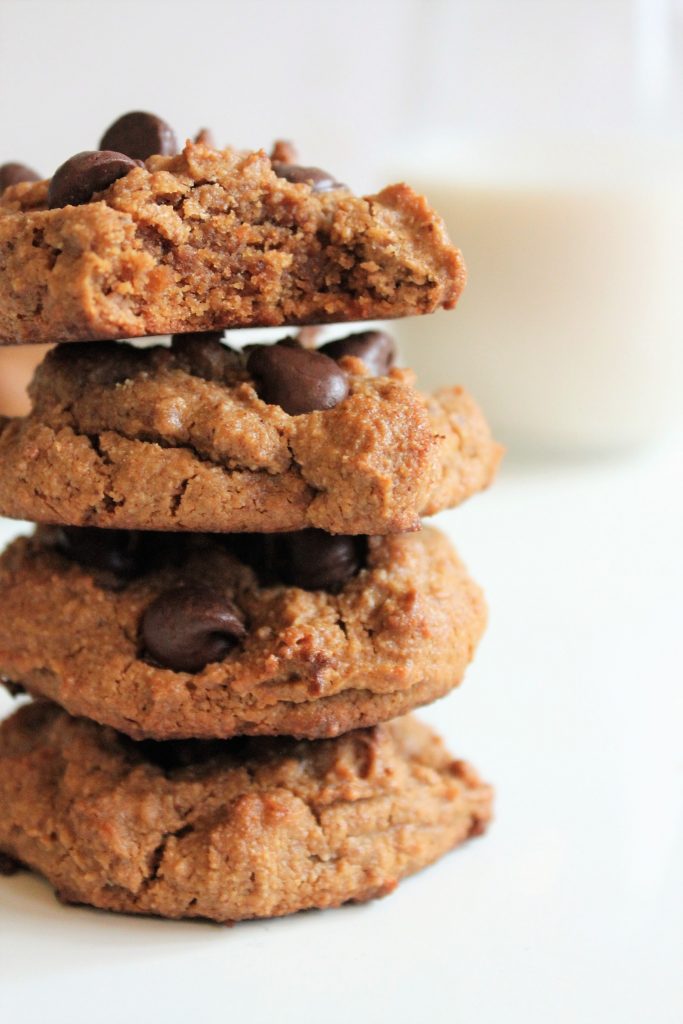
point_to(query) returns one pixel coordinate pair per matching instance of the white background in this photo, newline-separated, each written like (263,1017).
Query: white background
(571,909)
(356,83)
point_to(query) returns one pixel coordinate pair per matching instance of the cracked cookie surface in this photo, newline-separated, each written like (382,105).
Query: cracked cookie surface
(178,439)
(212,239)
(231,830)
(399,633)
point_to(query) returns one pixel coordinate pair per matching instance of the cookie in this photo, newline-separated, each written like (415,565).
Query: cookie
(210,239)
(186,635)
(200,437)
(228,830)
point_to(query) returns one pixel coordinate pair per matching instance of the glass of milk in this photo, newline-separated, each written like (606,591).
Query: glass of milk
(569,332)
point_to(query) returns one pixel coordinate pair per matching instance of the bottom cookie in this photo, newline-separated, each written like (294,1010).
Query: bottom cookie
(229,829)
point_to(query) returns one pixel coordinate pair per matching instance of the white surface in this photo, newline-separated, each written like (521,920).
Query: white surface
(569,911)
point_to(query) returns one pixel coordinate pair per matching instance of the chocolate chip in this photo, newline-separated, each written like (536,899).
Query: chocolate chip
(77,180)
(289,343)
(140,135)
(186,628)
(12,174)
(310,559)
(296,379)
(315,560)
(206,355)
(319,180)
(376,349)
(118,552)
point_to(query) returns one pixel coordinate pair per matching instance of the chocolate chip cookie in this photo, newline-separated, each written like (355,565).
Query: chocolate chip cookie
(228,830)
(114,247)
(201,437)
(182,635)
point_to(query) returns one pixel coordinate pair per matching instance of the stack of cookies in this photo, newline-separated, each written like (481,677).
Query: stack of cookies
(228,598)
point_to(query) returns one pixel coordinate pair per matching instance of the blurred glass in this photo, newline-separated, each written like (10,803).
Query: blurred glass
(570,216)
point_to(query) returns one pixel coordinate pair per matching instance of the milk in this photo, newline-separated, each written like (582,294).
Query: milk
(569,330)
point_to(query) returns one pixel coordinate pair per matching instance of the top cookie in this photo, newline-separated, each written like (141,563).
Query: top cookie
(112,247)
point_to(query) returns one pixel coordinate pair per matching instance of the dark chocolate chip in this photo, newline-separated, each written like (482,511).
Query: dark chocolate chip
(310,559)
(296,379)
(289,343)
(319,180)
(118,552)
(375,348)
(186,628)
(315,560)
(140,135)
(77,180)
(206,355)
(12,174)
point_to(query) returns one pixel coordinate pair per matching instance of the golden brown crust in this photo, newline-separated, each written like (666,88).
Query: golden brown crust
(213,238)
(214,457)
(259,830)
(399,634)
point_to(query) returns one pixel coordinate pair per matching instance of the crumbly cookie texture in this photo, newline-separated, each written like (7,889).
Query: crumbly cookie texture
(230,830)
(400,633)
(212,239)
(178,439)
